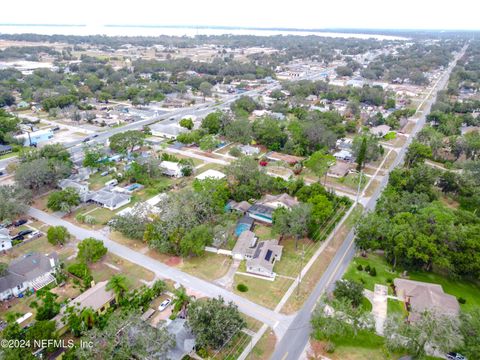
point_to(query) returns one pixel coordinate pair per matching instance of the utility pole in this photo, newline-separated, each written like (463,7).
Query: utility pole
(301,268)
(359,185)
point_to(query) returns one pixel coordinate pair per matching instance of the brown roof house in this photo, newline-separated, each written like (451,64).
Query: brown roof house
(420,296)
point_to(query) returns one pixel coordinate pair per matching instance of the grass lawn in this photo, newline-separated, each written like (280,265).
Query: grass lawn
(265,346)
(263,292)
(40,245)
(366,304)
(97,181)
(263,232)
(396,307)
(211,166)
(390,136)
(9,155)
(291,261)
(208,266)
(384,271)
(102,215)
(351,180)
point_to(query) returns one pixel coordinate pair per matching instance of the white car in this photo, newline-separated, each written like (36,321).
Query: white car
(164,304)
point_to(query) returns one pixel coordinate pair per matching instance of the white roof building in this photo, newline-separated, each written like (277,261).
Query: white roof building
(169,131)
(212,174)
(171,168)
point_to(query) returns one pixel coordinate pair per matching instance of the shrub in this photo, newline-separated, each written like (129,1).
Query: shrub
(461,300)
(329,347)
(389,281)
(242,287)
(373,272)
(81,271)
(367,268)
(360,267)
(235,151)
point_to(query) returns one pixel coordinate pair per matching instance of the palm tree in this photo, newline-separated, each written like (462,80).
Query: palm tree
(88,317)
(119,285)
(180,300)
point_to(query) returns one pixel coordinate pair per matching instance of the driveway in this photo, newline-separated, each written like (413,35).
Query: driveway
(278,322)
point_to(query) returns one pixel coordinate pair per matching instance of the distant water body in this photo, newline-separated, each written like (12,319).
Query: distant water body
(131,30)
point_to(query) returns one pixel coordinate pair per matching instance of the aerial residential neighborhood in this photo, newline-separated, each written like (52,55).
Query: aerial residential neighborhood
(174,192)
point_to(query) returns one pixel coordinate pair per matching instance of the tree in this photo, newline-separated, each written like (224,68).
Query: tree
(180,299)
(48,308)
(292,222)
(470,330)
(42,330)
(212,122)
(417,153)
(14,201)
(209,143)
(350,290)
(319,162)
(8,125)
(213,322)
(119,285)
(239,130)
(205,88)
(91,250)
(438,332)
(63,200)
(94,156)
(127,141)
(58,235)
(373,148)
(195,240)
(126,336)
(268,132)
(39,174)
(362,153)
(132,225)
(186,123)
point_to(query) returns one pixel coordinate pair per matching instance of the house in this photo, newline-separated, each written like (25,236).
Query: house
(241,207)
(211,174)
(249,150)
(33,271)
(5,149)
(421,296)
(276,201)
(97,297)
(380,130)
(245,245)
(345,155)
(184,339)
(264,258)
(81,188)
(110,200)
(261,213)
(168,131)
(340,169)
(171,168)
(5,240)
(344,144)
(289,159)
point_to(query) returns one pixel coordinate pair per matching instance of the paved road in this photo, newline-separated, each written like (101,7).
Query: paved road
(279,322)
(292,345)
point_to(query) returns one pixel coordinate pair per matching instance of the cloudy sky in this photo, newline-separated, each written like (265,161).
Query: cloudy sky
(403,14)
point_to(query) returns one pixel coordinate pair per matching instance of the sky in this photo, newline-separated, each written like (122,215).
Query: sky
(318,14)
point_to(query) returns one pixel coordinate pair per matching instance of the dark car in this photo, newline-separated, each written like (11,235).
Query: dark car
(86,139)
(455,356)
(94,136)
(25,232)
(18,237)
(56,128)
(20,222)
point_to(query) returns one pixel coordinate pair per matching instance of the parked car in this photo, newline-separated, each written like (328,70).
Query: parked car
(18,237)
(56,128)
(164,304)
(35,235)
(455,356)
(105,173)
(25,232)
(94,136)
(20,222)
(87,139)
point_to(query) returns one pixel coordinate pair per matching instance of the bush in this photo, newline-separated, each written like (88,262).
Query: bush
(242,287)
(235,151)
(81,271)
(461,300)
(329,347)
(373,272)
(389,281)
(360,267)
(367,268)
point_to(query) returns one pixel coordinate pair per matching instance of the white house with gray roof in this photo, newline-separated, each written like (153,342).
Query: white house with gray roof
(5,240)
(33,271)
